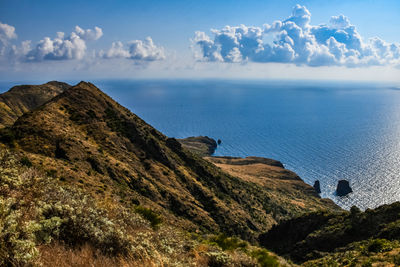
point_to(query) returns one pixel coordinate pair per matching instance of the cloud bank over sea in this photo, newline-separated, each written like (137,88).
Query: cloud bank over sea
(295,40)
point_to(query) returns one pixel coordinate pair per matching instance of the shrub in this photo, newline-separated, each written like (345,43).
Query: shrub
(26,162)
(74,219)
(38,211)
(218,259)
(154,219)
(228,243)
(7,137)
(379,245)
(264,258)
(17,246)
(51,173)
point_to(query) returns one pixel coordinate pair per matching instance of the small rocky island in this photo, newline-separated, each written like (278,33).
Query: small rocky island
(317,186)
(343,188)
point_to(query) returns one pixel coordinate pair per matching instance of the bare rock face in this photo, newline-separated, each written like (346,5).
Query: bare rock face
(317,186)
(343,188)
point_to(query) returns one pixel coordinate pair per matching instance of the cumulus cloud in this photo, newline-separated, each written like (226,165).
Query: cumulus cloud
(61,47)
(74,47)
(295,40)
(7,33)
(89,35)
(140,50)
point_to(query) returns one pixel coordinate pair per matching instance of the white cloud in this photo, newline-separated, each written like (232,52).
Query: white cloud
(296,41)
(139,50)
(340,21)
(117,50)
(300,16)
(61,47)
(89,35)
(7,33)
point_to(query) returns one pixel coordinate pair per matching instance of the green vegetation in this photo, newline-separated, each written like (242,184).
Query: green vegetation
(154,219)
(41,217)
(264,258)
(228,243)
(380,245)
(359,234)
(7,137)
(26,162)
(78,183)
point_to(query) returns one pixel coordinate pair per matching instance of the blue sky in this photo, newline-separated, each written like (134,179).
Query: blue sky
(173,50)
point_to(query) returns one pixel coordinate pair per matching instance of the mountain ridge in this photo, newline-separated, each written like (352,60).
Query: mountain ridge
(106,142)
(24,98)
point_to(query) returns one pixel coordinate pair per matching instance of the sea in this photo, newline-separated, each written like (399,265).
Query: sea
(324,131)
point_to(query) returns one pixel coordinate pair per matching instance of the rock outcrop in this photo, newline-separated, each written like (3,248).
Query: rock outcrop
(343,188)
(317,187)
(202,145)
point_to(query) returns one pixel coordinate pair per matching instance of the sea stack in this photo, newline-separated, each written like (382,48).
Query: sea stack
(343,188)
(219,141)
(317,186)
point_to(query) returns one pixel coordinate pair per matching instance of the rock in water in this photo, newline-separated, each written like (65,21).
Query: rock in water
(219,141)
(343,188)
(317,187)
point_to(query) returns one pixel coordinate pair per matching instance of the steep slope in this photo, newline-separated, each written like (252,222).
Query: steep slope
(326,236)
(24,98)
(82,136)
(46,222)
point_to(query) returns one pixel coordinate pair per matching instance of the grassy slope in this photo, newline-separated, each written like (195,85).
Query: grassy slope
(282,187)
(24,98)
(46,222)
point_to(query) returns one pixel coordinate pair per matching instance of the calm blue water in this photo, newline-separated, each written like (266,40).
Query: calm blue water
(324,131)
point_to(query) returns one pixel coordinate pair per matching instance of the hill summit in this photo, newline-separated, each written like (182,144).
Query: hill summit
(23,98)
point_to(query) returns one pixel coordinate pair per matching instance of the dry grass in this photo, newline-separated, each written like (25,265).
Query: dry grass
(284,186)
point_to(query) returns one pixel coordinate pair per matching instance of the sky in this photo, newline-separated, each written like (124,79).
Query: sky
(314,39)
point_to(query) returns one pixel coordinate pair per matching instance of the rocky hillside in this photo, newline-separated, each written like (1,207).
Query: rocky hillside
(23,98)
(84,181)
(84,137)
(352,238)
(47,222)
